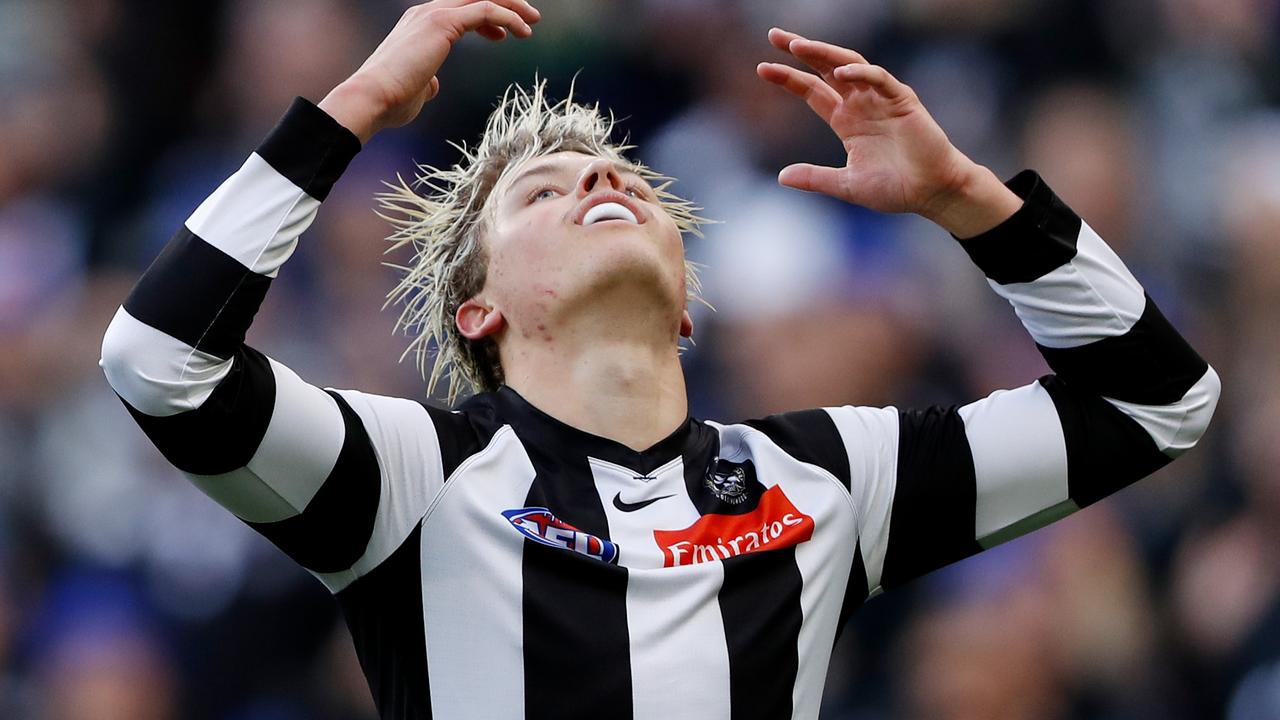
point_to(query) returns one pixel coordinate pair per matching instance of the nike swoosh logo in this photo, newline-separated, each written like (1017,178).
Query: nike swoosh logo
(632,507)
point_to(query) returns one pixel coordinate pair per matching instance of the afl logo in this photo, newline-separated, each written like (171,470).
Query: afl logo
(541,526)
(727,481)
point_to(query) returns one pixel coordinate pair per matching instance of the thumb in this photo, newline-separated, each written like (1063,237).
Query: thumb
(811,178)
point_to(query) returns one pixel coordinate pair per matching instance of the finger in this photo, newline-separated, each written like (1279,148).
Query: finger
(817,55)
(879,79)
(433,88)
(471,17)
(492,32)
(781,39)
(523,8)
(819,96)
(822,53)
(811,178)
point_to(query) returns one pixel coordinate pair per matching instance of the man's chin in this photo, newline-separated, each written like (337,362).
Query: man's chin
(625,284)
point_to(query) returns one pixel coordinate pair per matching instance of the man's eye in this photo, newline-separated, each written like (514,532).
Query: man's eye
(635,192)
(543,194)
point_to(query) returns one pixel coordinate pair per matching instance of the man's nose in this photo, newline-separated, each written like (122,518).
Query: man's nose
(600,174)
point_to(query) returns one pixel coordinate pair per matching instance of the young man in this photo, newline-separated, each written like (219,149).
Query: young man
(568,542)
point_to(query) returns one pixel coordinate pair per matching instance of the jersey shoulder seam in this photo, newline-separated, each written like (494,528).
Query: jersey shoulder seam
(463,466)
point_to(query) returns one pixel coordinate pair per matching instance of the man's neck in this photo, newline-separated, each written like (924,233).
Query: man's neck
(610,384)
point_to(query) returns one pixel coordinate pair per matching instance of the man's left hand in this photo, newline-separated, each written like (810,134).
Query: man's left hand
(898,158)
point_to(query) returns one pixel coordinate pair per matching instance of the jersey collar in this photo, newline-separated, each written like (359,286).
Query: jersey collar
(691,438)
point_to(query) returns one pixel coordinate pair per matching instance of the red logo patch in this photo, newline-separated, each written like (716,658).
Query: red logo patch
(775,523)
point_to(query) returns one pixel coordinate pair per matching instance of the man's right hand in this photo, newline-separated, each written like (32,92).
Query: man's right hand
(391,87)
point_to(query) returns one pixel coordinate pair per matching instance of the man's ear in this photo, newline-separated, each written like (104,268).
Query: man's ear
(476,320)
(686,324)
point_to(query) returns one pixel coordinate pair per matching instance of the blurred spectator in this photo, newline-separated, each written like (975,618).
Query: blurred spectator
(99,656)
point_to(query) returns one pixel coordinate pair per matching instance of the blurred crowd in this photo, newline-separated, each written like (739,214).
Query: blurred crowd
(125,593)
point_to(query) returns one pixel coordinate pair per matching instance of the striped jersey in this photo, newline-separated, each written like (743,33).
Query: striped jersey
(492,561)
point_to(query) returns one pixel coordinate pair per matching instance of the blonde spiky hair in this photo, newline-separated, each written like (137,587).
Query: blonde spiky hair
(441,215)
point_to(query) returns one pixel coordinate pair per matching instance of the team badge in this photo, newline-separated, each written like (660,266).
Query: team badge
(727,481)
(541,526)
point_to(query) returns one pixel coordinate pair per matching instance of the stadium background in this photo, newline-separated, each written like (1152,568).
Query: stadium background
(124,593)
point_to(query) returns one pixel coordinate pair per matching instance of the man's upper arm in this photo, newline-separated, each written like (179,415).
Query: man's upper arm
(943,483)
(947,482)
(335,479)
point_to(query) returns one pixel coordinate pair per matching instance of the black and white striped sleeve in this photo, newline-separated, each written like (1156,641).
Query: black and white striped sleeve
(308,468)
(1128,395)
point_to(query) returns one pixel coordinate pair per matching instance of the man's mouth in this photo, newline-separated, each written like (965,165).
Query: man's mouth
(609,211)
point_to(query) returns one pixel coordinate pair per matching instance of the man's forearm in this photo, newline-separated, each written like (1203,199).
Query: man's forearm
(1093,323)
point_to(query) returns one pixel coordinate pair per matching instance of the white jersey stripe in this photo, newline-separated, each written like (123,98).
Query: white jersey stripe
(302,442)
(675,510)
(471,621)
(1090,298)
(671,612)
(870,438)
(156,374)
(255,216)
(246,495)
(1019,456)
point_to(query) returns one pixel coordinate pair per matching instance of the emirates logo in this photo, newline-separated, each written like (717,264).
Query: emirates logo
(774,524)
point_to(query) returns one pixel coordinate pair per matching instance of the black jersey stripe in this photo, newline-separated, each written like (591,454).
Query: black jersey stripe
(760,605)
(309,148)
(808,436)
(934,513)
(198,294)
(1151,364)
(384,613)
(1106,449)
(1037,239)
(577,660)
(224,433)
(334,529)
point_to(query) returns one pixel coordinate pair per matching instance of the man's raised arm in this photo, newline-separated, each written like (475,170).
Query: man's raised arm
(1129,393)
(296,462)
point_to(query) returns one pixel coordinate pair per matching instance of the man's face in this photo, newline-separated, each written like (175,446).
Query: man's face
(570,231)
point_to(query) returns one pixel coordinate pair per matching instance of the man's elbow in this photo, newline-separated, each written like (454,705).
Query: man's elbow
(1198,405)
(141,369)
(121,355)
(1177,427)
